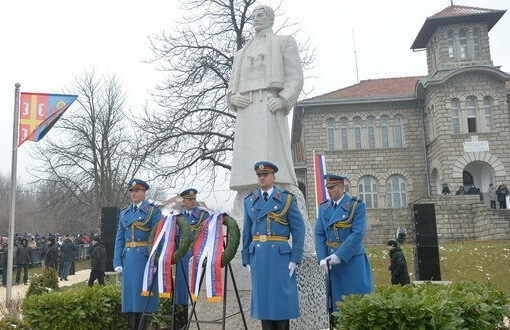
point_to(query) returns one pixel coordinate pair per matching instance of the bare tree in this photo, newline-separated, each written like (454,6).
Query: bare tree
(195,128)
(92,152)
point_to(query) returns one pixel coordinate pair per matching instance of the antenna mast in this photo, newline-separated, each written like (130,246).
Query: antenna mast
(355,57)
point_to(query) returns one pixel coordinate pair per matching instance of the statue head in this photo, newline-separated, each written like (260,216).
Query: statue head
(263,18)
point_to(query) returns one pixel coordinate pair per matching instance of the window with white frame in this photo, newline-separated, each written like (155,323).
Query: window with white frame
(357,132)
(344,133)
(396,192)
(463,42)
(451,47)
(471,114)
(487,112)
(398,132)
(455,115)
(371,132)
(384,132)
(330,133)
(476,43)
(367,192)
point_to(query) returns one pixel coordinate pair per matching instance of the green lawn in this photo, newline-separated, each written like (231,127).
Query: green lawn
(478,261)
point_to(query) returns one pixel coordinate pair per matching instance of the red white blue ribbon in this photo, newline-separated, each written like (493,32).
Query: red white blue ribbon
(209,244)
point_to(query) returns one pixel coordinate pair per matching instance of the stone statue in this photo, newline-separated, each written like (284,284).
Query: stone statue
(266,81)
(265,84)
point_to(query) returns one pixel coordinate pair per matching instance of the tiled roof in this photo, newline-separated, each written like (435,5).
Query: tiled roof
(455,15)
(507,85)
(456,11)
(374,88)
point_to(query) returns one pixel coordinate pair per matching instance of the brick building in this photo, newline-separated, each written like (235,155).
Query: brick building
(400,139)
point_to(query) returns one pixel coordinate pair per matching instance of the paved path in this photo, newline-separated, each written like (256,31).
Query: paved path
(19,291)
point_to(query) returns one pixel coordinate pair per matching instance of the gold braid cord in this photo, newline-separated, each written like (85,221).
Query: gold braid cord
(347,223)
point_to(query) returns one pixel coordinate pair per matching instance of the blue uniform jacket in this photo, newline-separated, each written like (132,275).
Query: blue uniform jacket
(134,258)
(181,296)
(353,275)
(274,293)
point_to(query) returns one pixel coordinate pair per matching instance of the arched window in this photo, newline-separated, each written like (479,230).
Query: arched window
(344,133)
(396,192)
(357,132)
(384,132)
(455,115)
(367,191)
(399,136)
(330,133)
(371,132)
(347,185)
(487,112)
(476,43)
(471,113)
(451,49)
(463,42)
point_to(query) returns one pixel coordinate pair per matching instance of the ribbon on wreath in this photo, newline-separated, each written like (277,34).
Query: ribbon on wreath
(165,232)
(209,244)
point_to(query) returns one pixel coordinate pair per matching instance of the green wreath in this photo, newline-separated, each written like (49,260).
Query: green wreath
(186,239)
(233,236)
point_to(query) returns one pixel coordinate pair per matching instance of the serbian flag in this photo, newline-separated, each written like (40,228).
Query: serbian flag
(39,112)
(319,169)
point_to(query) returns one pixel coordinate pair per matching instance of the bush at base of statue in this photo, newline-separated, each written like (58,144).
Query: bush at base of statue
(462,305)
(98,307)
(13,322)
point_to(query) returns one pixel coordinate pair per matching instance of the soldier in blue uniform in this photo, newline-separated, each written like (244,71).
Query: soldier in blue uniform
(136,222)
(271,216)
(339,233)
(195,217)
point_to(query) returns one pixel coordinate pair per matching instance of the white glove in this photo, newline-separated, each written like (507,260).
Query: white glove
(324,265)
(119,269)
(292,268)
(249,268)
(333,260)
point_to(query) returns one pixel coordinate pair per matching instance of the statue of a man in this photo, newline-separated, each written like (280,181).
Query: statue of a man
(265,84)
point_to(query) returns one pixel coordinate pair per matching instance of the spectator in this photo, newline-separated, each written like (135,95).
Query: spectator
(446,189)
(97,262)
(491,192)
(5,249)
(23,260)
(398,264)
(502,192)
(461,191)
(68,250)
(51,256)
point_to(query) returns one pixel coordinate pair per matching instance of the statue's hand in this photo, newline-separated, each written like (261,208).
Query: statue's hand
(239,101)
(275,103)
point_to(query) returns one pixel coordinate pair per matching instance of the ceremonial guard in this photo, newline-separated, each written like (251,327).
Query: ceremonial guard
(195,217)
(271,216)
(132,249)
(339,233)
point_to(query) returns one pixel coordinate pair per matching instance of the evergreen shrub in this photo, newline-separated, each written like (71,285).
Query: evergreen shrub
(462,305)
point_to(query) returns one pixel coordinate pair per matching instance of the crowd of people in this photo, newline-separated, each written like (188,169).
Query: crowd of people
(55,251)
(494,194)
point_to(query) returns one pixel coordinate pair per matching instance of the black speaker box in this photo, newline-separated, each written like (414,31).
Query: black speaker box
(109,223)
(426,253)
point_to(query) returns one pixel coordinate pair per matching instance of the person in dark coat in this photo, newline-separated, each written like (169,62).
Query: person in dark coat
(97,262)
(502,192)
(51,257)
(5,250)
(68,250)
(23,260)
(398,264)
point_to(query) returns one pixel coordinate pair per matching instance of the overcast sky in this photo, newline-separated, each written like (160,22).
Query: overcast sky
(45,43)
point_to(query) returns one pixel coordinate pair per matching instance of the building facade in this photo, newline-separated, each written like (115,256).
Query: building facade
(401,140)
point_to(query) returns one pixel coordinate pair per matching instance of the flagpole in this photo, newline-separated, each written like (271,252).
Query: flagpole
(12,211)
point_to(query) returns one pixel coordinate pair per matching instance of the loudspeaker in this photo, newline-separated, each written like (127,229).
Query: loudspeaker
(426,252)
(109,222)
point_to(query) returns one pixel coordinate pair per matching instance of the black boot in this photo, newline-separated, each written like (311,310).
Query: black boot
(141,321)
(131,318)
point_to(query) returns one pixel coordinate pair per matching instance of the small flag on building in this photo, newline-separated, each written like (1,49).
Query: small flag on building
(319,168)
(39,112)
